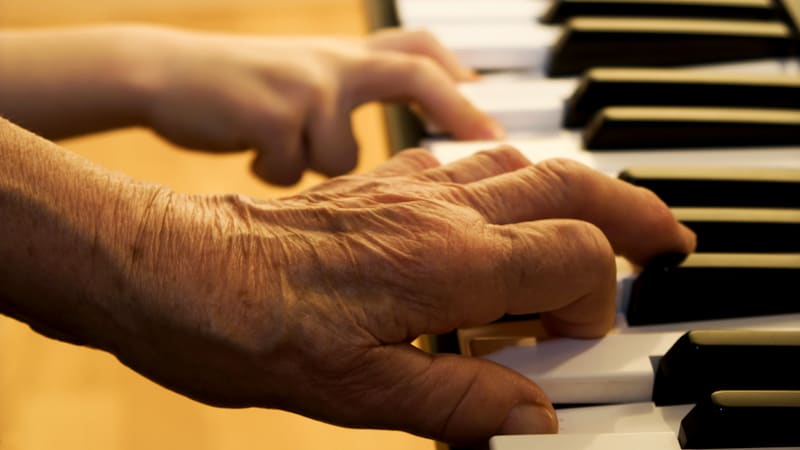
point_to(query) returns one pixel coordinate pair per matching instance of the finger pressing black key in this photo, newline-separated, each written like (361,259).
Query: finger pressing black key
(709,286)
(743,230)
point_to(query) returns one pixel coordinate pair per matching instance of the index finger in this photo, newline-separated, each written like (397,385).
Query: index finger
(637,223)
(423,43)
(394,76)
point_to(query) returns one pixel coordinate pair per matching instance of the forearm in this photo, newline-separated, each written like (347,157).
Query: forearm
(64,82)
(67,237)
(96,258)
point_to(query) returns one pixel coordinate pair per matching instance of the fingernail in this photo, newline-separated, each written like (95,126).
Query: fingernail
(530,419)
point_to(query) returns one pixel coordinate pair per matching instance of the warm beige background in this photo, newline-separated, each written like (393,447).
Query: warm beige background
(56,396)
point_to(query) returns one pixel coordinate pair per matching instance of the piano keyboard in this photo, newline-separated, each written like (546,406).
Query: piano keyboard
(561,10)
(510,34)
(629,365)
(697,101)
(747,188)
(646,426)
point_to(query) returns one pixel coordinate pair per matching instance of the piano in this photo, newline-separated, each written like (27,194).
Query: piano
(698,101)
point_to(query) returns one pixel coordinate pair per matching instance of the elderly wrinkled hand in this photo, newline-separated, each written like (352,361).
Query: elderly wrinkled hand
(310,303)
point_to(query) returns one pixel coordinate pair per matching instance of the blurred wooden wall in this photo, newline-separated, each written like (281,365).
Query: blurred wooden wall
(54,396)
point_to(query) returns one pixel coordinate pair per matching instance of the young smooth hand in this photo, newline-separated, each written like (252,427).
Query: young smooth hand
(290,99)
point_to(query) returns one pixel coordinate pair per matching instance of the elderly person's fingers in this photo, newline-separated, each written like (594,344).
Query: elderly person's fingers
(407,162)
(638,224)
(450,398)
(478,166)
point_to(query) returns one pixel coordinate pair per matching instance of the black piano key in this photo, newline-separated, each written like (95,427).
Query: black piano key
(704,361)
(595,42)
(722,187)
(743,419)
(627,128)
(600,88)
(789,11)
(561,10)
(743,230)
(709,286)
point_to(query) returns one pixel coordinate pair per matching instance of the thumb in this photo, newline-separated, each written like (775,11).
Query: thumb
(461,400)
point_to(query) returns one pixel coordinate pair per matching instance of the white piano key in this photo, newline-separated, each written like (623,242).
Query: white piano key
(593,442)
(618,368)
(624,418)
(597,423)
(415,13)
(508,85)
(627,441)
(528,103)
(567,144)
(614,369)
(614,427)
(518,101)
(492,46)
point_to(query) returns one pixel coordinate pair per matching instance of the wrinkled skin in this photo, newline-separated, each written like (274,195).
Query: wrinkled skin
(310,303)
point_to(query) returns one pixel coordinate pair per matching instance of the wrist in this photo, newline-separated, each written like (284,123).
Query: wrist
(135,69)
(125,238)
(57,236)
(64,82)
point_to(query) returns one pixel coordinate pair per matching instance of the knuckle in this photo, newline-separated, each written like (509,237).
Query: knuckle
(504,157)
(423,38)
(319,88)
(419,158)
(562,180)
(566,170)
(417,66)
